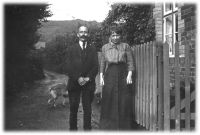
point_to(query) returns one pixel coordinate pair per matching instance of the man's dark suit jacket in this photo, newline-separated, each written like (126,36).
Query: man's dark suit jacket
(80,64)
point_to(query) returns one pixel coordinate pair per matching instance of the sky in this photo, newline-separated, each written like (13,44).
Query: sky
(88,10)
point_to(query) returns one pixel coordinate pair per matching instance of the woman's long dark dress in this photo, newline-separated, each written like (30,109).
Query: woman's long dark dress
(116,108)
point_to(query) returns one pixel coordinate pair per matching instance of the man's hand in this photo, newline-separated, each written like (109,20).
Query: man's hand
(98,92)
(83,80)
(86,79)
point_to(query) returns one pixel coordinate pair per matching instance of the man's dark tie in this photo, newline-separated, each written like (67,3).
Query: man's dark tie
(84,51)
(83,46)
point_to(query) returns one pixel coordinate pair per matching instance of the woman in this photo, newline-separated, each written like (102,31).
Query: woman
(116,77)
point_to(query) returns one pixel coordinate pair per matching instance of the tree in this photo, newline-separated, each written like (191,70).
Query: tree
(21,24)
(135,20)
(55,54)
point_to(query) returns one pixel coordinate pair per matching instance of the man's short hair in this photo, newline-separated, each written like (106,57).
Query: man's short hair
(83,26)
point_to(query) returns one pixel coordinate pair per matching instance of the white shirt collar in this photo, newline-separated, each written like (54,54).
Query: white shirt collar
(81,44)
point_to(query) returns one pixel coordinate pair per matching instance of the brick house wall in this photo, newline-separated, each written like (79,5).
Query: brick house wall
(158,17)
(186,29)
(186,21)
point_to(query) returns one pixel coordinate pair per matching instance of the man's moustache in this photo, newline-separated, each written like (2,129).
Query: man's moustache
(83,37)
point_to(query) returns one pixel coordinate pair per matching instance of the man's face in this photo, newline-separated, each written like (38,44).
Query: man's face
(115,38)
(83,33)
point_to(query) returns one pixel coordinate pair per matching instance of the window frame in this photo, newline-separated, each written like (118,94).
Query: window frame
(172,12)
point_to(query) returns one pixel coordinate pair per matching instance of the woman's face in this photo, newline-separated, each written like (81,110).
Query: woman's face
(115,38)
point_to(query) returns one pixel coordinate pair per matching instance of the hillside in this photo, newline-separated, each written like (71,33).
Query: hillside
(51,29)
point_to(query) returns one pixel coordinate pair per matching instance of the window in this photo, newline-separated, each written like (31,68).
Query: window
(170,26)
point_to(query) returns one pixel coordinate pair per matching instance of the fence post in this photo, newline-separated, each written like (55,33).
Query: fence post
(151,84)
(147,84)
(137,80)
(143,88)
(154,87)
(187,85)
(159,47)
(166,87)
(177,87)
(134,49)
(140,81)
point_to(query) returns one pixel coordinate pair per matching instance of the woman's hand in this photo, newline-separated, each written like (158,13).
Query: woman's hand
(98,92)
(129,78)
(101,79)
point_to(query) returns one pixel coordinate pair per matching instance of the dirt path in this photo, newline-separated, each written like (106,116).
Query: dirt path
(30,111)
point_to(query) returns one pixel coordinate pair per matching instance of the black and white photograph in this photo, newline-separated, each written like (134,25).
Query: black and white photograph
(99,65)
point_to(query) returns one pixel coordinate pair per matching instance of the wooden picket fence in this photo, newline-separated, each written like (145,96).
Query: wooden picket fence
(165,89)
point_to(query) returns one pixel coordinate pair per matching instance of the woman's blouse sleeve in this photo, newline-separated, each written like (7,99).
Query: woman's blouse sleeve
(130,61)
(103,61)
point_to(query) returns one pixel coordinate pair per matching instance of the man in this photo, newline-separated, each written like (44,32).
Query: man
(82,70)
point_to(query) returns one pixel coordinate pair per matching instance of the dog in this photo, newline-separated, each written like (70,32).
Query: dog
(56,91)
